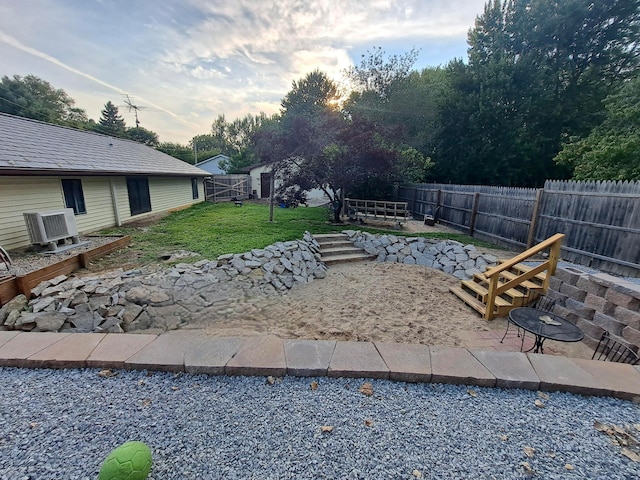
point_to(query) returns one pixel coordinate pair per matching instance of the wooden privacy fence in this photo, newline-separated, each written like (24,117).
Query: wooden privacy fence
(221,188)
(601,220)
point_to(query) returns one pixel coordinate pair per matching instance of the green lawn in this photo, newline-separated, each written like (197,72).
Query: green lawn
(215,229)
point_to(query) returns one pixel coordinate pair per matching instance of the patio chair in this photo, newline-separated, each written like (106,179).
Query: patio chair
(543,302)
(4,257)
(614,351)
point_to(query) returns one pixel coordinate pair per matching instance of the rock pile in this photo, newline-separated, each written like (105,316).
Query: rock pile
(162,299)
(461,261)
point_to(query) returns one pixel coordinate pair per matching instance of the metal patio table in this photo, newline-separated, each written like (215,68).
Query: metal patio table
(529,319)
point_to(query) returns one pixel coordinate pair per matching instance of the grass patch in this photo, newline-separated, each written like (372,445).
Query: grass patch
(215,229)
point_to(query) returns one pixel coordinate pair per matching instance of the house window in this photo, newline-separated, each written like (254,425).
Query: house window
(194,188)
(73,195)
(139,199)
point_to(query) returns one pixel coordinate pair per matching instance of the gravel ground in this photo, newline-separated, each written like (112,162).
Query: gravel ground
(23,262)
(61,424)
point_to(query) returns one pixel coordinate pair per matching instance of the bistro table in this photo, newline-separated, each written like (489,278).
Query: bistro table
(555,328)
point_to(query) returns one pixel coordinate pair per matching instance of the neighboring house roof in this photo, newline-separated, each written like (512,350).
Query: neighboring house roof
(30,147)
(212,165)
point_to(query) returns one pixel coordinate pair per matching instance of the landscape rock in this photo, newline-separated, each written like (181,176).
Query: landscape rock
(16,304)
(49,321)
(450,256)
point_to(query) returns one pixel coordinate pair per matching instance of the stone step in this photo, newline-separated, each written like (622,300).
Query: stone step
(332,252)
(330,237)
(347,258)
(335,244)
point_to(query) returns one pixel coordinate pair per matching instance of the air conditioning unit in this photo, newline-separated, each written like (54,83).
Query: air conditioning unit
(47,228)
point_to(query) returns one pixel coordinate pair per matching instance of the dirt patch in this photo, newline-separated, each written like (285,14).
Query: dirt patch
(370,301)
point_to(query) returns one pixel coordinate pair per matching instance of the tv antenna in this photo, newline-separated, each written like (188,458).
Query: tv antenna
(131,106)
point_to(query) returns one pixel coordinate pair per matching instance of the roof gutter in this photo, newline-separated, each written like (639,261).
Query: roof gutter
(84,173)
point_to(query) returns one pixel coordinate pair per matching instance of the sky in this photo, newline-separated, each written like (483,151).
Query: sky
(187,61)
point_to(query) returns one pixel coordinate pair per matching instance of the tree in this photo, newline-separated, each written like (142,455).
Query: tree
(537,74)
(142,135)
(234,139)
(311,95)
(111,123)
(35,98)
(177,150)
(377,75)
(314,145)
(612,150)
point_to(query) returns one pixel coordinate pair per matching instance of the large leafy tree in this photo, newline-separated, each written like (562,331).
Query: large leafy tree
(177,150)
(537,74)
(142,135)
(315,145)
(111,123)
(35,98)
(612,150)
(234,139)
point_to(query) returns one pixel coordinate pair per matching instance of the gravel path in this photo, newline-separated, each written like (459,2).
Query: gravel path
(61,424)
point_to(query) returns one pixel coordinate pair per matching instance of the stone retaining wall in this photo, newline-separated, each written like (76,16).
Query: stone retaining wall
(166,298)
(461,261)
(597,303)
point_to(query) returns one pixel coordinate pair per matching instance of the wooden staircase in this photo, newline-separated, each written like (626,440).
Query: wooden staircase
(336,248)
(511,284)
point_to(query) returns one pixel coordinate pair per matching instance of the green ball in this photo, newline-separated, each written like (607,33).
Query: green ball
(129,461)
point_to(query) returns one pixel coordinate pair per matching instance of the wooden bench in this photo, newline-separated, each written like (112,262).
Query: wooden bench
(397,212)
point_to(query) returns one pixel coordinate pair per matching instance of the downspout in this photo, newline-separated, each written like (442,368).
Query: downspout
(114,202)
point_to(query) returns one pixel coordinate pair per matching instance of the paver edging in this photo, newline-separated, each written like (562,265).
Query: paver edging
(555,373)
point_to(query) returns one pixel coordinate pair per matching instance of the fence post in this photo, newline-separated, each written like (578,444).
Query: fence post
(474,213)
(534,218)
(413,202)
(436,214)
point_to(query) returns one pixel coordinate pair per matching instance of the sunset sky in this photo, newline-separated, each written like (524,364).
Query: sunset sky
(187,61)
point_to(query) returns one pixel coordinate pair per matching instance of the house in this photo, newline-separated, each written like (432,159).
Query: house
(106,181)
(260,174)
(212,165)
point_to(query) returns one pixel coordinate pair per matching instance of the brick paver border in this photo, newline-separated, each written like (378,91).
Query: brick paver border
(196,352)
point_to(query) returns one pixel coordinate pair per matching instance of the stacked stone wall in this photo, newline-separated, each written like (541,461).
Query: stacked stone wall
(597,303)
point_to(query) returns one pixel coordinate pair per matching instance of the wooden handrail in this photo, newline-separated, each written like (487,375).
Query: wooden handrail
(553,243)
(525,255)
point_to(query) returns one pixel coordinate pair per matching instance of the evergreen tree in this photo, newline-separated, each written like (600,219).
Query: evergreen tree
(111,123)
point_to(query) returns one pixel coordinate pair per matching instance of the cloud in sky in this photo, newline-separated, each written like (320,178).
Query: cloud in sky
(191,60)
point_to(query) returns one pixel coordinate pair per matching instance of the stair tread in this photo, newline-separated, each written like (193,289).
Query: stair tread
(340,251)
(469,299)
(325,246)
(354,257)
(527,283)
(482,290)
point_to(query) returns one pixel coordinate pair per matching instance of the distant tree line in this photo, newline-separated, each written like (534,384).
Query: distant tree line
(35,98)
(550,91)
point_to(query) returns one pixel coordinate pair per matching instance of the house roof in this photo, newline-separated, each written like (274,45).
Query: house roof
(212,165)
(215,158)
(31,147)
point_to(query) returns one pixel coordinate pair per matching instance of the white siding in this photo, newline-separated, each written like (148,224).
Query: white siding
(29,194)
(167,193)
(23,194)
(314,196)
(97,199)
(256,183)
